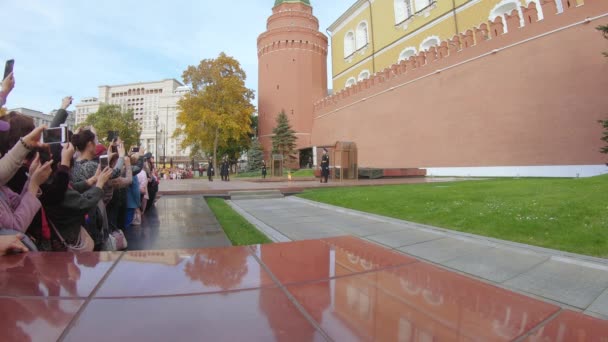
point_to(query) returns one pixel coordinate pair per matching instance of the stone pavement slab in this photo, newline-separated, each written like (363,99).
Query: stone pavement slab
(445,249)
(600,305)
(574,281)
(496,264)
(565,282)
(404,238)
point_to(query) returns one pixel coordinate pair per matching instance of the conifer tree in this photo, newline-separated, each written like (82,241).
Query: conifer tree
(284,139)
(255,156)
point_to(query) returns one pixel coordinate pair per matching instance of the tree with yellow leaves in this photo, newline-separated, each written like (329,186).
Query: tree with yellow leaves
(218,109)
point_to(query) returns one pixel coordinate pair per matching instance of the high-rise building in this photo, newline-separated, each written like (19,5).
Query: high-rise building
(154,105)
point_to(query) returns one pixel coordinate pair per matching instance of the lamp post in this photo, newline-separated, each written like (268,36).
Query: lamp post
(156,138)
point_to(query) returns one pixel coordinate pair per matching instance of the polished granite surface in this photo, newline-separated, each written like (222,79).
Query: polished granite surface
(342,289)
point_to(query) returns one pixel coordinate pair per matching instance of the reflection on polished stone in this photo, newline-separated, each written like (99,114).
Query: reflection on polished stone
(419,302)
(53,274)
(572,326)
(173,272)
(253,315)
(312,260)
(350,290)
(177,222)
(35,319)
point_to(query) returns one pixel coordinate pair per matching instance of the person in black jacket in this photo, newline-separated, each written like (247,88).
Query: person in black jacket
(210,170)
(324,167)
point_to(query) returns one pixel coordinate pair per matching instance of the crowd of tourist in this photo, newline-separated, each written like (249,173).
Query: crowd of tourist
(59,197)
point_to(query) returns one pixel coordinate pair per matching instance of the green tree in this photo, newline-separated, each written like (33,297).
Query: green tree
(255,156)
(284,139)
(112,118)
(217,112)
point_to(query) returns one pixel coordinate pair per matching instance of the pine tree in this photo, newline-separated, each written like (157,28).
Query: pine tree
(255,156)
(284,139)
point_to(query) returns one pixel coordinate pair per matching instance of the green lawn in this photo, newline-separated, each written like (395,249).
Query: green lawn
(239,231)
(303,173)
(565,214)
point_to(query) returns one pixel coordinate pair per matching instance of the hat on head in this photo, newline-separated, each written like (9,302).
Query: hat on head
(100,150)
(4,126)
(148,155)
(324,150)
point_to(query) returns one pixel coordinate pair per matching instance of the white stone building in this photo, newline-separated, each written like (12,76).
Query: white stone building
(41,118)
(155,107)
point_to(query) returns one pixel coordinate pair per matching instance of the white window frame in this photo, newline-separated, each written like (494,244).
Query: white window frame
(349,45)
(361,39)
(403,10)
(411,51)
(363,75)
(424,46)
(419,5)
(494,13)
(350,82)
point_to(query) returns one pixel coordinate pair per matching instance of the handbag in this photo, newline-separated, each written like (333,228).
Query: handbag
(116,241)
(84,243)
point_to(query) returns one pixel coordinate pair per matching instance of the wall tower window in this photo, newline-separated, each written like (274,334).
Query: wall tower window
(349,44)
(362,35)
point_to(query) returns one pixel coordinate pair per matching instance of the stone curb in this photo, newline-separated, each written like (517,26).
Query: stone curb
(267,230)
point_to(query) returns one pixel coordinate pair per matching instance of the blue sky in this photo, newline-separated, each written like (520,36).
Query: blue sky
(70,47)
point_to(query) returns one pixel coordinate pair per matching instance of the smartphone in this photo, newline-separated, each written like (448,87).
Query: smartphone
(103,162)
(112,136)
(135,149)
(58,135)
(8,68)
(114,149)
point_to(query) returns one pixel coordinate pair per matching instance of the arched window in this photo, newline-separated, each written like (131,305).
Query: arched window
(363,75)
(421,4)
(350,82)
(349,44)
(362,35)
(429,43)
(403,10)
(506,7)
(407,53)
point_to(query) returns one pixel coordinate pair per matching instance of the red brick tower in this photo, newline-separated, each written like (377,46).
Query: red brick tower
(292,62)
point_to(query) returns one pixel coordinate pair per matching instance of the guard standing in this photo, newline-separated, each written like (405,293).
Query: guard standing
(264,170)
(324,167)
(210,171)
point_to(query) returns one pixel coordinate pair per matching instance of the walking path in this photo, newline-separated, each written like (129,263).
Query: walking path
(572,281)
(203,186)
(178,222)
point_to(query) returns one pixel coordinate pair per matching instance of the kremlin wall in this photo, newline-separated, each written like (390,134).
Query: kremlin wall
(484,103)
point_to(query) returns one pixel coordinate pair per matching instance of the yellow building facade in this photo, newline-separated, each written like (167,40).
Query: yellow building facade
(375,34)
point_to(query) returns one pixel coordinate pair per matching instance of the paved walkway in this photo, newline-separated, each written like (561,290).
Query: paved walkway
(178,222)
(572,281)
(203,186)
